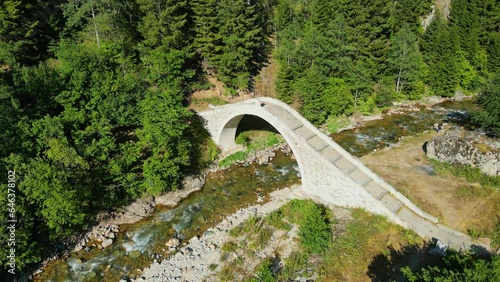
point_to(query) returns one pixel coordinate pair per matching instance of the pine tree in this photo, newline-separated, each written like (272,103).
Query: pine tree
(165,23)
(207,41)
(26,29)
(408,12)
(464,19)
(439,47)
(242,39)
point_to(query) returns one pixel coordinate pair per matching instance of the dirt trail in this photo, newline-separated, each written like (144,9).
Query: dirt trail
(408,170)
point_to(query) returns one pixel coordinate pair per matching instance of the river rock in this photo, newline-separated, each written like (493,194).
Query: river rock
(78,247)
(189,184)
(459,96)
(106,243)
(263,157)
(134,254)
(172,243)
(459,151)
(136,211)
(433,100)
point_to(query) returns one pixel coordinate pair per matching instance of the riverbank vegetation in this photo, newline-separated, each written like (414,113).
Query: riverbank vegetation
(94,93)
(312,242)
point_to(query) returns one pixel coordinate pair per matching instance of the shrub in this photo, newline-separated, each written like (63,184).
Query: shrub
(458,267)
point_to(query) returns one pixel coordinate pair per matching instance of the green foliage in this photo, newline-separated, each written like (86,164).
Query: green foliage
(439,47)
(276,220)
(405,61)
(472,175)
(254,141)
(334,124)
(233,158)
(264,272)
(242,139)
(458,267)
(26,31)
(229,247)
(489,100)
(314,230)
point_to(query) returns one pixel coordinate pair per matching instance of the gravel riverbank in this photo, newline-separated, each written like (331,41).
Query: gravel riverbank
(192,261)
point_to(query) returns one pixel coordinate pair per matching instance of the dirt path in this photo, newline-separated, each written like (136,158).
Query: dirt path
(458,204)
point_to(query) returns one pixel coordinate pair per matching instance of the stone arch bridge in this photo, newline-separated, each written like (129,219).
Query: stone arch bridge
(329,173)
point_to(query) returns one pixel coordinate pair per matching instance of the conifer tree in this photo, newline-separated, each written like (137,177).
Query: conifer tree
(439,47)
(27,27)
(241,39)
(464,19)
(165,23)
(207,41)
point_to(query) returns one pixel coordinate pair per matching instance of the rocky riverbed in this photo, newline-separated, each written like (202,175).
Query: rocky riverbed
(192,261)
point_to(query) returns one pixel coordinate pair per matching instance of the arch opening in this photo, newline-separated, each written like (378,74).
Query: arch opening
(228,128)
(246,123)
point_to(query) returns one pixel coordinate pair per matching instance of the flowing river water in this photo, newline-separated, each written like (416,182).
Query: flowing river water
(378,134)
(139,244)
(224,193)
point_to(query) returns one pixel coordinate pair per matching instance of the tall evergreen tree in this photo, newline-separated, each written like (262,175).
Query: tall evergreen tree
(242,39)
(27,27)
(207,41)
(464,19)
(165,23)
(439,47)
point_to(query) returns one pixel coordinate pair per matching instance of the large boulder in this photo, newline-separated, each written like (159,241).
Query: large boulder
(136,211)
(459,151)
(459,96)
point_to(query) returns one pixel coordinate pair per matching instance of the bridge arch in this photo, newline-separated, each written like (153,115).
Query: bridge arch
(229,127)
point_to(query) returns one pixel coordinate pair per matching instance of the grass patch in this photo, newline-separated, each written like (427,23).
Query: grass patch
(233,158)
(213,266)
(297,261)
(333,124)
(201,86)
(254,140)
(314,230)
(216,101)
(266,271)
(230,271)
(471,174)
(258,139)
(229,247)
(473,191)
(276,220)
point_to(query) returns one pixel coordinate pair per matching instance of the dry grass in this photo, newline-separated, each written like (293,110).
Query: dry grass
(265,82)
(460,205)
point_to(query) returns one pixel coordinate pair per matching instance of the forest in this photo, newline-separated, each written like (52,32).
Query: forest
(94,93)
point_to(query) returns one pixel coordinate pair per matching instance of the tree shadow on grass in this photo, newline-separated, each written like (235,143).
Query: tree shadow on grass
(387,266)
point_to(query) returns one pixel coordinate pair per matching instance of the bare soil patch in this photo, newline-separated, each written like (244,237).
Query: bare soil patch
(458,204)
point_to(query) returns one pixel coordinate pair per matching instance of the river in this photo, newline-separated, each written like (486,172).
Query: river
(139,244)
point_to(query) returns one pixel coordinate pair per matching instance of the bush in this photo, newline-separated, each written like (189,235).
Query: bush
(489,100)
(242,139)
(459,267)
(314,230)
